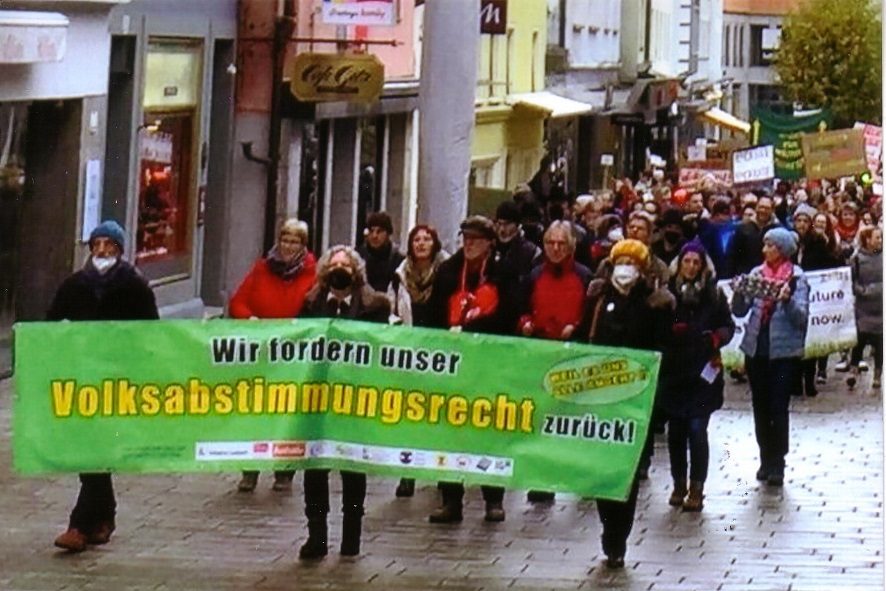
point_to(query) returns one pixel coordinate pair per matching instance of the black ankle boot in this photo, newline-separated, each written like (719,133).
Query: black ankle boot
(316,546)
(351,529)
(406,488)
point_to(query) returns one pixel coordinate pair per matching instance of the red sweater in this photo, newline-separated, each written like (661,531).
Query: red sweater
(266,295)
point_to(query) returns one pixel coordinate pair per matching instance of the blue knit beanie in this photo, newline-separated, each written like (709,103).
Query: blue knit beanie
(783,239)
(108,229)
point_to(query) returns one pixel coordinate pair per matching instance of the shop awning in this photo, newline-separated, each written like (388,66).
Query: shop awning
(720,117)
(28,37)
(554,105)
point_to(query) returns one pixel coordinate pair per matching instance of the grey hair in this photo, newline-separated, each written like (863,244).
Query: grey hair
(566,228)
(296,227)
(357,263)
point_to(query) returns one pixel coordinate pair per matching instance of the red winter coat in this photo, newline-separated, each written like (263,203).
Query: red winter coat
(266,295)
(555,299)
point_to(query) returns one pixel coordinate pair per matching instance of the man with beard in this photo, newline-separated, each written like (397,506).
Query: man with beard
(381,256)
(521,254)
(106,288)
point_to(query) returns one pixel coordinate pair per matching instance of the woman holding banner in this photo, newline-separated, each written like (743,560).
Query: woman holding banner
(276,288)
(691,382)
(777,295)
(622,310)
(341,291)
(410,294)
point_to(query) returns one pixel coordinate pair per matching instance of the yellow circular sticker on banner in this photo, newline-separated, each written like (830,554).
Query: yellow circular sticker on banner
(597,379)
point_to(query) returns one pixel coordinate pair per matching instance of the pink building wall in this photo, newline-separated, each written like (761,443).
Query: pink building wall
(256,31)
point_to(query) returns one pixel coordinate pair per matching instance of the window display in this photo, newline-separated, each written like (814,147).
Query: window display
(164,195)
(167,175)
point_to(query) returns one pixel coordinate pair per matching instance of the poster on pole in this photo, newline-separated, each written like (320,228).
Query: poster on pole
(228,395)
(753,165)
(359,12)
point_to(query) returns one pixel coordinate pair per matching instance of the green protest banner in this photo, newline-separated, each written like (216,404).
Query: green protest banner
(783,132)
(225,395)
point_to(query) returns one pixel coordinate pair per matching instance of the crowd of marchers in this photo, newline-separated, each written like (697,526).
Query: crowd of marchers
(635,265)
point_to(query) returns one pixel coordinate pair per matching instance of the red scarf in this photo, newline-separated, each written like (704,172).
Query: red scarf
(484,298)
(780,274)
(847,233)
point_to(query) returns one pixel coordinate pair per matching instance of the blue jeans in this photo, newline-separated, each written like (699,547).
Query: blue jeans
(692,433)
(772,381)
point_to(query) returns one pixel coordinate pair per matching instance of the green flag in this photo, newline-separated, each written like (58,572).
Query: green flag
(783,132)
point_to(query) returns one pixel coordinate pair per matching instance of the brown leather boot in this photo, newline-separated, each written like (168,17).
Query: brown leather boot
(693,502)
(678,494)
(73,540)
(101,534)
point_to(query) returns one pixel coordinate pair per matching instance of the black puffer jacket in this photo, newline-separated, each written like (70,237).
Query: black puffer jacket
(497,273)
(122,293)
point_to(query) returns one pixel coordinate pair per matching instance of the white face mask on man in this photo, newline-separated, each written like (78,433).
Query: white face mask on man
(102,264)
(624,277)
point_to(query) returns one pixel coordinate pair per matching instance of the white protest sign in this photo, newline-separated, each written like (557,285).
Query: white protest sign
(831,312)
(753,165)
(831,320)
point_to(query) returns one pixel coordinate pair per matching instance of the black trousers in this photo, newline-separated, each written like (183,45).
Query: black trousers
(95,503)
(617,518)
(316,485)
(454,492)
(772,382)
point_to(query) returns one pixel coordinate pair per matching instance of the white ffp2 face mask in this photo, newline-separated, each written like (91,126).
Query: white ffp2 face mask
(102,264)
(624,276)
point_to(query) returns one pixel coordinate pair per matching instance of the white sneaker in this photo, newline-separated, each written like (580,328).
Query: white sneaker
(842,366)
(863,366)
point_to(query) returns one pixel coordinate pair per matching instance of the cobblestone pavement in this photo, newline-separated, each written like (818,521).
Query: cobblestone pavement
(822,531)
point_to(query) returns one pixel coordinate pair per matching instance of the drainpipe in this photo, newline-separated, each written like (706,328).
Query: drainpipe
(283,28)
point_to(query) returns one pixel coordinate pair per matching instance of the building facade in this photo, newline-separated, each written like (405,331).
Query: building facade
(338,159)
(510,105)
(168,147)
(751,34)
(54,61)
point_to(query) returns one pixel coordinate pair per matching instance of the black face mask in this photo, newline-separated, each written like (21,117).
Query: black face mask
(339,278)
(672,236)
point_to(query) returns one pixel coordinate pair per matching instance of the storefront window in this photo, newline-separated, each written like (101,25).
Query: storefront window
(167,175)
(13,133)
